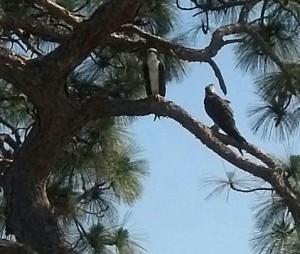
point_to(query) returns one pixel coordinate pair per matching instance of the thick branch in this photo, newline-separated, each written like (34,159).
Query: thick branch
(11,66)
(95,108)
(57,11)
(9,140)
(87,36)
(35,27)
(8,247)
(184,53)
(251,149)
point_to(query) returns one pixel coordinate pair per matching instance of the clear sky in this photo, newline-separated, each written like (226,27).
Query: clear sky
(172,215)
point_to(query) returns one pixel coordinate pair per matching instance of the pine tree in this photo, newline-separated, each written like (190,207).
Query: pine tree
(71,85)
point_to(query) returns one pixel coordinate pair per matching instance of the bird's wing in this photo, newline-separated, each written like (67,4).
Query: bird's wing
(147,79)
(162,80)
(218,109)
(221,113)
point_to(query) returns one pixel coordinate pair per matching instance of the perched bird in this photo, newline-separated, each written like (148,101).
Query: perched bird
(154,74)
(221,113)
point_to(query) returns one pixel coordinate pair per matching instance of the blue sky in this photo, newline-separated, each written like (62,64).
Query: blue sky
(173,215)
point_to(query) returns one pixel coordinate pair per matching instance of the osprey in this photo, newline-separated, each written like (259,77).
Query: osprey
(221,113)
(154,74)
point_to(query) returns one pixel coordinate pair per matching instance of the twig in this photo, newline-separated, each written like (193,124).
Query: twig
(13,129)
(249,190)
(218,74)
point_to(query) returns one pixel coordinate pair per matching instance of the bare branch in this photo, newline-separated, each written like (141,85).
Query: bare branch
(247,7)
(249,190)
(9,247)
(218,74)
(34,27)
(11,66)
(57,11)
(251,149)
(9,140)
(185,53)
(95,108)
(266,48)
(13,129)
(29,46)
(185,8)
(20,97)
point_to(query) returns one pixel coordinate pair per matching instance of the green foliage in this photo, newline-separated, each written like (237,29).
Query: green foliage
(101,167)
(233,182)
(157,16)
(278,240)
(278,38)
(12,5)
(274,232)
(277,116)
(293,168)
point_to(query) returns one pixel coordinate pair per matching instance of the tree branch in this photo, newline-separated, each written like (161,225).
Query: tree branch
(251,149)
(57,11)
(35,27)
(266,48)
(87,36)
(184,53)
(218,74)
(95,108)
(9,140)
(247,7)
(11,66)
(249,190)
(9,247)
(13,129)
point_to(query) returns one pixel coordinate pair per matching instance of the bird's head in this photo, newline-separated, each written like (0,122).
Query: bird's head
(210,89)
(152,51)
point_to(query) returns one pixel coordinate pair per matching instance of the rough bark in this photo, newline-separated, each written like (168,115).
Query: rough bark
(7,247)
(42,80)
(28,212)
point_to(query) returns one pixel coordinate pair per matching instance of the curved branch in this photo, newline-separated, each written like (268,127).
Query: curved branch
(184,53)
(185,8)
(95,108)
(87,36)
(9,247)
(12,66)
(57,11)
(35,27)
(13,129)
(9,141)
(218,74)
(252,31)
(249,190)
(247,7)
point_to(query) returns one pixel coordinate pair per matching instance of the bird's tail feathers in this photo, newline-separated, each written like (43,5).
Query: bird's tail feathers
(240,139)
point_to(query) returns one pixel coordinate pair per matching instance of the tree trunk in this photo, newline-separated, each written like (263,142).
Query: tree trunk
(28,210)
